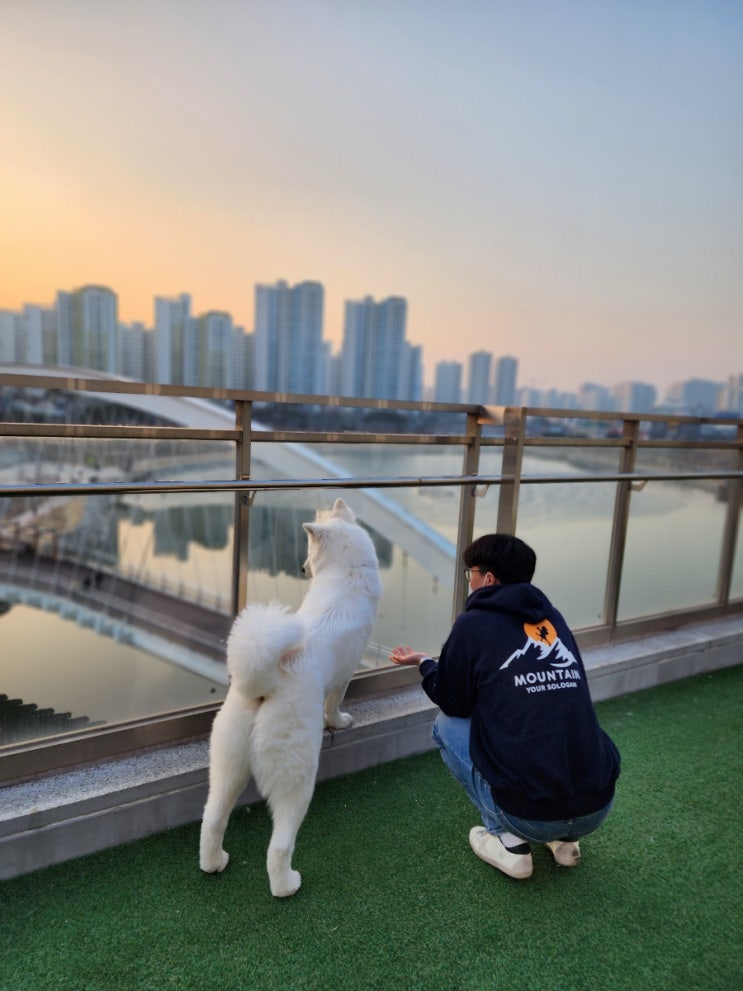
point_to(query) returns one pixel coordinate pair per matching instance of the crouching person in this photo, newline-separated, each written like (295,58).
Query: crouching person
(517,727)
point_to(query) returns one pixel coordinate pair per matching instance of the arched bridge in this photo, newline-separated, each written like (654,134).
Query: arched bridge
(434,552)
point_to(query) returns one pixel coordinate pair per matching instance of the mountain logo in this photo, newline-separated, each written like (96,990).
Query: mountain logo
(542,640)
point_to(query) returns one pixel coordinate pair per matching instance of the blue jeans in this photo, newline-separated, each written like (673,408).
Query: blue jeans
(452,736)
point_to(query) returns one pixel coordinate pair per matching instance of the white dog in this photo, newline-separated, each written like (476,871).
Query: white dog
(287,670)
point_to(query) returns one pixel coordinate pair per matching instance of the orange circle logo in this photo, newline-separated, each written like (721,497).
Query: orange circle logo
(542,632)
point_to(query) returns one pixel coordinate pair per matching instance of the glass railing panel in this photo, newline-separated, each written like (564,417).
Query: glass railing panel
(674,536)
(99,636)
(568,524)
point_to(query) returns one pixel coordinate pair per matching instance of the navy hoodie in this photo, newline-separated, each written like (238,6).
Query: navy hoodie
(512,665)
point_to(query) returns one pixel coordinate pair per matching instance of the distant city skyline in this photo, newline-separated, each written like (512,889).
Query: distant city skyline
(287,352)
(554,180)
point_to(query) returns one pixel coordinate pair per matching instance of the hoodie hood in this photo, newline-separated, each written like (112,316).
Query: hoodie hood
(523,601)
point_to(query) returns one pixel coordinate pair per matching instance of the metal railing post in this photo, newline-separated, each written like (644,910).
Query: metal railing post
(730,531)
(467,496)
(514,422)
(243,420)
(630,431)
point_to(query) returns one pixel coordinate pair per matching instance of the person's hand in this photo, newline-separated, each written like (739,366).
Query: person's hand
(406,655)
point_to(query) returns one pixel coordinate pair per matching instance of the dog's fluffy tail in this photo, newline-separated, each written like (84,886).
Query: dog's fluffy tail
(260,638)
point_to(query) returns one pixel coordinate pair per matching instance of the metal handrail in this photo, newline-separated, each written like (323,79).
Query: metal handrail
(49,489)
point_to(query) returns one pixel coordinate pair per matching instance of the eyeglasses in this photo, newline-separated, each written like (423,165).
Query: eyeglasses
(468,572)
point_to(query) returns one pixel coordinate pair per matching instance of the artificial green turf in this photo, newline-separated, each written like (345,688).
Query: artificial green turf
(394,898)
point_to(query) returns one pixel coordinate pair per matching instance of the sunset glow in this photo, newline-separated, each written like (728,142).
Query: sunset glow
(557,181)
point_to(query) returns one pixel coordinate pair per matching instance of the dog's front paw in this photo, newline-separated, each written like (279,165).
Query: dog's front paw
(214,864)
(338,720)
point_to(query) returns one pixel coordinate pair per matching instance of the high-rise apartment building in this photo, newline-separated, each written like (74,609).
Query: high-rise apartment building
(88,328)
(478,380)
(592,396)
(551,399)
(288,337)
(133,345)
(373,357)
(634,397)
(49,342)
(8,322)
(333,373)
(695,395)
(214,350)
(504,381)
(356,323)
(175,340)
(529,396)
(411,373)
(448,382)
(243,360)
(29,337)
(731,396)
(330,378)
(32,334)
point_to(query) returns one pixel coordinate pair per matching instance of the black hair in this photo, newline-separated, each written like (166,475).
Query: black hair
(507,557)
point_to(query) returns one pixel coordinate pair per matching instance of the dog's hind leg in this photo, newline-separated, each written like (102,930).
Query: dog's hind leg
(229,772)
(288,809)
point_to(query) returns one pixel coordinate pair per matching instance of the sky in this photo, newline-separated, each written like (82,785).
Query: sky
(556,180)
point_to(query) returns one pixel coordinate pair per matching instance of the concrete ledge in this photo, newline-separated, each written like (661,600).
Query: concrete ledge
(635,665)
(75,813)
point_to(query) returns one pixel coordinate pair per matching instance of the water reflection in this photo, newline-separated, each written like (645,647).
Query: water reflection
(176,528)
(58,665)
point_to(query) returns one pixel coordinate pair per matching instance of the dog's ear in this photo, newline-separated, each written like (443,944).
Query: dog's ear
(341,509)
(315,530)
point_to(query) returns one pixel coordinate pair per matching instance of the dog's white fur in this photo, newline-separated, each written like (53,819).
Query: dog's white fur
(287,671)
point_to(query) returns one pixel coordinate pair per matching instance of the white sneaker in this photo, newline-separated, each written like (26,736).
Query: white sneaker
(566,854)
(490,849)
